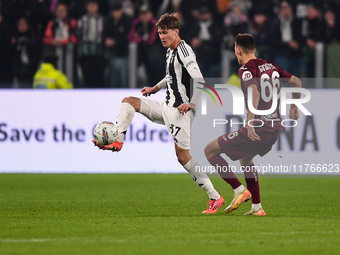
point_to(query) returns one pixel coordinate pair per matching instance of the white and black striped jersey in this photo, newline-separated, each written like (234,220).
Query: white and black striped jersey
(181,66)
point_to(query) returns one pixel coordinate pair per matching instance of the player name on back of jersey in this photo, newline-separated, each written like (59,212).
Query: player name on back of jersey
(266,66)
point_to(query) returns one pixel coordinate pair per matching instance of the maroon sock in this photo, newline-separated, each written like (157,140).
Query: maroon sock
(225,172)
(252,180)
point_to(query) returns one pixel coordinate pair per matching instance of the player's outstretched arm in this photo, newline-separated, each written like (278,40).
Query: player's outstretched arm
(294,82)
(251,130)
(147,91)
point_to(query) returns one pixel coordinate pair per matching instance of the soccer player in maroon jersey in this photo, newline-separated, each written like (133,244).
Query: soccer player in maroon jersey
(244,144)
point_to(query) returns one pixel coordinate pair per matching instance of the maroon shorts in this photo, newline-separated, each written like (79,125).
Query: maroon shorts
(237,144)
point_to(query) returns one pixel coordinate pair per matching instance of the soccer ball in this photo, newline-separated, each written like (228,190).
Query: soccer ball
(105,132)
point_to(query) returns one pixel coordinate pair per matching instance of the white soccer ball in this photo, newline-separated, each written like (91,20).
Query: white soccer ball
(105,132)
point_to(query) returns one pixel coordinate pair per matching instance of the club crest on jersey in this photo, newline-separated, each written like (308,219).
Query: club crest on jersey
(246,76)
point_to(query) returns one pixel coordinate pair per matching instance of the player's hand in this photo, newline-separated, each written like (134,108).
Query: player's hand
(184,108)
(147,91)
(252,134)
(293,112)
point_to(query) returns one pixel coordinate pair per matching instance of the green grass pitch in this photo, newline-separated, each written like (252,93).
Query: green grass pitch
(161,214)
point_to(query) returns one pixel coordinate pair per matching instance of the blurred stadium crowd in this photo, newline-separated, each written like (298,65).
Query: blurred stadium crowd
(96,35)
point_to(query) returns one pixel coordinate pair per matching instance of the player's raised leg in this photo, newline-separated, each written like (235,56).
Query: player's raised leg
(129,106)
(241,194)
(201,178)
(252,180)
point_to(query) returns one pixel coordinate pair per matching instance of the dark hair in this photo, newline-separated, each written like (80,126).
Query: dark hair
(260,11)
(168,21)
(286,2)
(51,58)
(62,3)
(116,6)
(316,6)
(246,42)
(87,2)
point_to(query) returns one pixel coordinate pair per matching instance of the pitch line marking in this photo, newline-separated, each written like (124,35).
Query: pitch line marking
(112,240)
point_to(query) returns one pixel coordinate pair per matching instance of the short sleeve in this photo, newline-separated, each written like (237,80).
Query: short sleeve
(284,74)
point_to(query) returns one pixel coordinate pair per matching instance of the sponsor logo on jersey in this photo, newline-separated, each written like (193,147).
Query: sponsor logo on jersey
(246,76)
(190,63)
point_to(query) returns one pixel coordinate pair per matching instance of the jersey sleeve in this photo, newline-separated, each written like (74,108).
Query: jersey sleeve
(187,58)
(284,74)
(161,84)
(199,81)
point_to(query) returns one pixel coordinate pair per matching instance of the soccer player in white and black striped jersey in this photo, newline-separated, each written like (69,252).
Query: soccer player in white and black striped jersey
(177,111)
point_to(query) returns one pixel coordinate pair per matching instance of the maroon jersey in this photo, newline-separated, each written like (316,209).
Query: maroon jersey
(264,75)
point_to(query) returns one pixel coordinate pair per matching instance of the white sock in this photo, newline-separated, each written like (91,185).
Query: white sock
(124,119)
(239,189)
(201,178)
(256,207)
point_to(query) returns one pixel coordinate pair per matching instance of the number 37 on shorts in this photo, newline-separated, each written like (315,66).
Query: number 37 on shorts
(174,130)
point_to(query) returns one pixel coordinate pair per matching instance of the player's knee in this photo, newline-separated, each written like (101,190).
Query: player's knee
(207,151)
(125,100)
(133,101)
(129,100)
